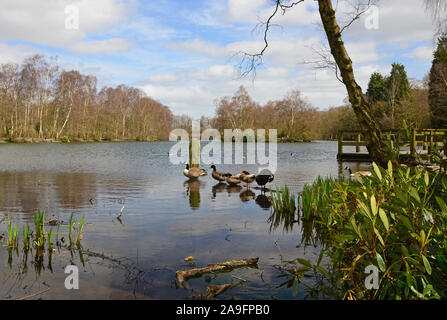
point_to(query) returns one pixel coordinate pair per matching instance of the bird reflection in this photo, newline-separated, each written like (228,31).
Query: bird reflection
(263,201)
(192,189)
(247,195)
(233,189)
(218,188)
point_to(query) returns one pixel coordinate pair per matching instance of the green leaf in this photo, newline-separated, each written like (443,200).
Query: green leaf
(377,171)
(304,262)
(364,208)
(426,264)
(390,169)
(404,251)
(427,289)
(324,272)
(406,222)
(384,219)
(373,205)
(379,236)
(415,194)
(426,179)
(442,205)
(381,263)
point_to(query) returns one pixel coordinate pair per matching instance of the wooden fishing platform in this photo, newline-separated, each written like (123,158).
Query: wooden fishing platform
(420,143)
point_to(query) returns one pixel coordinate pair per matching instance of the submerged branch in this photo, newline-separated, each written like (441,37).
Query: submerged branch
(183,275)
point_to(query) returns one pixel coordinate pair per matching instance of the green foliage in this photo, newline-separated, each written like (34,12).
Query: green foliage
(395,219)
(39,237)
(13,234)
(377,87)
(440,55)
(394,86)
(398,82)
(438,85)
(65,139)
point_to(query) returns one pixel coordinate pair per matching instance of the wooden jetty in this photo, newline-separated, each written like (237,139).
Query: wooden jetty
(420,143)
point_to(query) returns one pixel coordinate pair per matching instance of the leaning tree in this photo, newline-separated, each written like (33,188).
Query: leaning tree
(341,63)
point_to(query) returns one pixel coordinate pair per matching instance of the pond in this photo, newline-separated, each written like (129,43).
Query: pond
(165,219)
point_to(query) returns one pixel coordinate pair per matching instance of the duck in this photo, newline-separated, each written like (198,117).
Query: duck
(193,173)
(263,179)
(247,178)
(219,176)
(359,173)
(233,180)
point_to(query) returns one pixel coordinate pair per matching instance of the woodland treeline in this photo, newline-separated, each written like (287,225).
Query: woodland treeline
(40,101)
(392,98)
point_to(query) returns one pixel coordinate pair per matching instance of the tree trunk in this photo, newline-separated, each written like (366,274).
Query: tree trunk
(357,99)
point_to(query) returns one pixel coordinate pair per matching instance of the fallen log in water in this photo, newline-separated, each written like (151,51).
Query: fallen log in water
(184,275)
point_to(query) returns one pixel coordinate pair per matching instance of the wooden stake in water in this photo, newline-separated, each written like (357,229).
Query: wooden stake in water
(194,145)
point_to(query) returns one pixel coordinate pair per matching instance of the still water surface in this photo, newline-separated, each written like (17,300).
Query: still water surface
(166,218)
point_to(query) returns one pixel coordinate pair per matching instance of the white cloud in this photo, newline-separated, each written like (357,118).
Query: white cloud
(400,22)
(15,54)
(164,78)
(422,53)
(43,22)
(102,46)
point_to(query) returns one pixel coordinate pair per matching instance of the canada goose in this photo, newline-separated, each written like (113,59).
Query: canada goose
(263,179)
(219,176)
(232,180)
(358,173)
(193,173)
(247,178)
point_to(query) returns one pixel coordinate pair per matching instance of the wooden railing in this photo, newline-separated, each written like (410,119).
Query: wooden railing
(425,138)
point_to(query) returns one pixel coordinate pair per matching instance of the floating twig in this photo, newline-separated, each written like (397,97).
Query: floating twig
(33,295)
(184,275)
(119,214)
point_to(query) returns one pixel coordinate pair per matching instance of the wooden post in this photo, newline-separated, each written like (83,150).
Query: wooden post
(340,145)
(194,153)
(430,145)
(413,145)
(357,147)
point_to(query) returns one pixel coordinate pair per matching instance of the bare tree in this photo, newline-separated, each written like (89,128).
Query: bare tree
(438,9)
(343,62)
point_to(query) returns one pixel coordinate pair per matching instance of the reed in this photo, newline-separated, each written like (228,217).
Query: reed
(283,201)
(81,229)
(13,234)
(71,223)
(26,237)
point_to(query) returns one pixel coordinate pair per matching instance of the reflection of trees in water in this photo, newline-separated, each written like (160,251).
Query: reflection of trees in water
(27,191)
(74,190)
(21,280)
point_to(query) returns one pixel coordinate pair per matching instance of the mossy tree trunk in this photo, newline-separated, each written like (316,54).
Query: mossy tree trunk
(357,99)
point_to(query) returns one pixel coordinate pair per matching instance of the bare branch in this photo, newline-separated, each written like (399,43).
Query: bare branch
(250,62)
(438,9)
(358,10)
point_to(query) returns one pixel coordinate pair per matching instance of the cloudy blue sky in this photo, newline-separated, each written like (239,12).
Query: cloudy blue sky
(180,51)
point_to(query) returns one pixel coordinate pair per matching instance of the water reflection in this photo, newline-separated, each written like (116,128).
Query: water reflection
(25,192)
(247,195)
(263,201)
(192,190)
